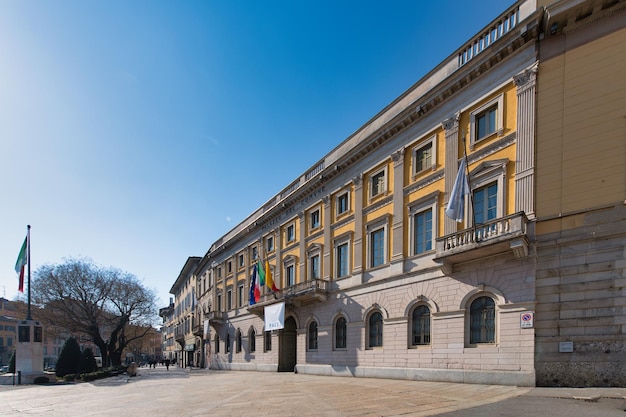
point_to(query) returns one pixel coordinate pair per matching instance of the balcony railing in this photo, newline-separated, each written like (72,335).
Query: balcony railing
(303,293)
(490,238)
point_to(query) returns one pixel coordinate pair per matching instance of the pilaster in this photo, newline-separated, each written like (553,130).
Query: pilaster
(451,127)
(397,246)
(357,268)
(526,83)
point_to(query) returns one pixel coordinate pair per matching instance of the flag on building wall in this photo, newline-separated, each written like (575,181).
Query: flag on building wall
(259,266)
(456,205)
(275,316)
(268,277)
(257,286)
(22,259)
(253,287)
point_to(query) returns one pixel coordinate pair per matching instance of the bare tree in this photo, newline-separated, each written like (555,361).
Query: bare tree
(80,296)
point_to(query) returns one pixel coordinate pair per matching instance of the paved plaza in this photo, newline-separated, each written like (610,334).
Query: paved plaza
(183,392)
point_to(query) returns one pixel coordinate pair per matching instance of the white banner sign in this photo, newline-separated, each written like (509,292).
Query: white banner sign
(275,316)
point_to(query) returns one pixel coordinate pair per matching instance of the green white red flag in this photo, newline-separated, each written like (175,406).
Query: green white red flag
(22,259)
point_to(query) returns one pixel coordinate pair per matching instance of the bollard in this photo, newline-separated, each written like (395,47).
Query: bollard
(19,377)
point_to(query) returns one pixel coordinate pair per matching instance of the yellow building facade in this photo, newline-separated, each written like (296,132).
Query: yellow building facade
(378,280)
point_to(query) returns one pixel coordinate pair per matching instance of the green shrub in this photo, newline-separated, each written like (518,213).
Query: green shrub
(69,359)
(88,362)
(69,377)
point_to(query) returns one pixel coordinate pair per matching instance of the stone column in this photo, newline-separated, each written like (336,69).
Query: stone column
(525,148)
(451,127)
(397,241)
(357,269)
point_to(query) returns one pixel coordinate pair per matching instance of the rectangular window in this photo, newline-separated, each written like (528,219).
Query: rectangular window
(229,300)
(423,231)
(424,157)
(342,260)
(241,259)
(219,302)
(315,266)
(290,278)
(486,203)
(270,244)
(377,247)
(229,267)
(240,295)
(342,203)
(315,219)
(486,122)
(378,183)
(291,233)
(219,272)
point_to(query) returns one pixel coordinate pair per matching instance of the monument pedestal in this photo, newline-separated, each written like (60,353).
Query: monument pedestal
(29,350)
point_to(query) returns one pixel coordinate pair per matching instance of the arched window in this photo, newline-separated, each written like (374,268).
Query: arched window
(312,335)
(340,333)
(252,340)
(483,320)
(420,326)
(238,341)
(227,347)
(375,329)
(217,344)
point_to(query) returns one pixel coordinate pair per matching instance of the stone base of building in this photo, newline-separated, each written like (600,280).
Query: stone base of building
(581,374)
(521,379)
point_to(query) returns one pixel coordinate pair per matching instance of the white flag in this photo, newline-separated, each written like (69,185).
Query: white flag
(456,204)
(275,316)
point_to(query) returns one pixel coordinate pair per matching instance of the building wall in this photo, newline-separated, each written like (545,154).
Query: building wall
(581,187)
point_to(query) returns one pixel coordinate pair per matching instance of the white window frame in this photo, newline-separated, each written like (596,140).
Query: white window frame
(312,213)
(383,171)
(345,194)
(372,227)
(429,202)
(291,225)
(432,140)
(345,239)
(497,101)
(289,262)
(313,251)
(485,174)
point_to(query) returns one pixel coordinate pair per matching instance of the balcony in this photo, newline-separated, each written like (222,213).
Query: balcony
(215,318)
(312,291)
(499,236)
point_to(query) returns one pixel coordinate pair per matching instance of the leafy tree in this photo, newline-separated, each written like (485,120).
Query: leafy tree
(69,358)
(88,362)
(81,297)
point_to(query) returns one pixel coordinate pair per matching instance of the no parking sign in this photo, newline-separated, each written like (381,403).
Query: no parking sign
(526,320)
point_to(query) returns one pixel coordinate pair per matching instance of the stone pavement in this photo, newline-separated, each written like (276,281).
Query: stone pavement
(184,392)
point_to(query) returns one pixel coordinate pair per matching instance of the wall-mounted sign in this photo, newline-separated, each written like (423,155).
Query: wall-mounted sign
(566,347)
(527,320)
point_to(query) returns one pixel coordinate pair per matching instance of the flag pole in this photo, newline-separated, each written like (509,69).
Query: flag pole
(469,182)
(28,317)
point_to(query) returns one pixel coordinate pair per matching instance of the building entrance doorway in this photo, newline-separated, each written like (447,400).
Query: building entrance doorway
(287,346)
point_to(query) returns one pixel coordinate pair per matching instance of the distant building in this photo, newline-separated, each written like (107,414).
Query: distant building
(8,330)
(526,288)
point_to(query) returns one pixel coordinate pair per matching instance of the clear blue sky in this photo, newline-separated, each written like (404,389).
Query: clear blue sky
(136,133)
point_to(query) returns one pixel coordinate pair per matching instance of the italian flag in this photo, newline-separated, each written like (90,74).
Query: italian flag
(22,259)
